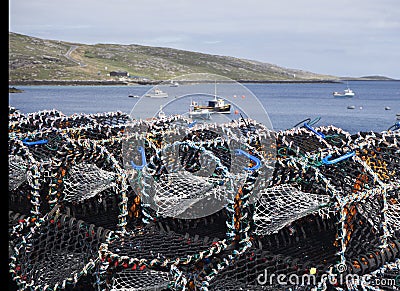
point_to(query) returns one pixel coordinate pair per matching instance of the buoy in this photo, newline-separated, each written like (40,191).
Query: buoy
(243,96)
(236,111)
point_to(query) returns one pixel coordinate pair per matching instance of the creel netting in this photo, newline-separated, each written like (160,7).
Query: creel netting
(331,198)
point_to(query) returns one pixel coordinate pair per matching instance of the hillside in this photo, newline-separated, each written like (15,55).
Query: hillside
(32,58)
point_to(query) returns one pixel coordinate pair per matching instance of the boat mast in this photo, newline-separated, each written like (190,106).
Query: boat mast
(215,89)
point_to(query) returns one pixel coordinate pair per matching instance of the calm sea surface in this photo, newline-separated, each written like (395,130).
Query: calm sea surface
(286,104)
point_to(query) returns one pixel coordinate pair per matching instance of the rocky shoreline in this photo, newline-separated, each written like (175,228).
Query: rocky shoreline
(147,82)
(14,90)
(155,82)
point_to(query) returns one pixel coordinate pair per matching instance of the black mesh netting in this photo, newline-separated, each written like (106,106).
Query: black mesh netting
(303,204)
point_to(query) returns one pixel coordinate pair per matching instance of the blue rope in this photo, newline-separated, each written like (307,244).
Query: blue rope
(326,160)
(190,125)
(313,130)
(144,163)
(395,126)
(31,143)
(253,158)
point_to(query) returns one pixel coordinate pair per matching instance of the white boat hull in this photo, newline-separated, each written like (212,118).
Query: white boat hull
(343,95)
(348,93)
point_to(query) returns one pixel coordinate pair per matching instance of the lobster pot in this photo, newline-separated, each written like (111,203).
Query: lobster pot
(142,260)
(210,227)
(32,122)
(110,118)
(90,184)
(101,210)
(30,169)
(103,202)
(294,249)
(299,141)
(56,253)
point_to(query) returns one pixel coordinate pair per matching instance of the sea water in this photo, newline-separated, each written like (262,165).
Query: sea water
(285,103)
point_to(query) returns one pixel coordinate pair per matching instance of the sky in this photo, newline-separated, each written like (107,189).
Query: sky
(340,37)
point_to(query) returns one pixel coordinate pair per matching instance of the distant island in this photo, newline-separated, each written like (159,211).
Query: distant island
(377,78)
(39,61)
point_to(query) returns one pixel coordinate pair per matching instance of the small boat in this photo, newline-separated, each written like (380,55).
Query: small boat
(216,105)
(174,84)
(157,94)
(387,108)
(351,107)
(348,93)
(133,96)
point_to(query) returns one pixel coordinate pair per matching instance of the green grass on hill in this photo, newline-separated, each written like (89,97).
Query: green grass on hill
(33,58)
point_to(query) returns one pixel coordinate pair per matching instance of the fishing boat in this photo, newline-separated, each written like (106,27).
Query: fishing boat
(348,93)
(157,93)
(216,105)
